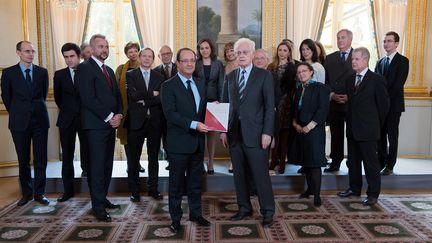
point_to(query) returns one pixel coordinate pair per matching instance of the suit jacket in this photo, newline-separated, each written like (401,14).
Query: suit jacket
(160,69)
(396,76)
(67,98)
(215,83)
(98,99)
(22,100)
(255,113)
(338,73)
(179,111)
(137,90)
(367,107)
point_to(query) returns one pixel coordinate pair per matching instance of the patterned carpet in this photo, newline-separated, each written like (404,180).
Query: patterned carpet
(397,218)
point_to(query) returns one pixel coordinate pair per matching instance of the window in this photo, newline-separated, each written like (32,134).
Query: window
(355,15)
(115,20)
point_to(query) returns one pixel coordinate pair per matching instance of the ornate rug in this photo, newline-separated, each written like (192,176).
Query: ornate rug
(396,218)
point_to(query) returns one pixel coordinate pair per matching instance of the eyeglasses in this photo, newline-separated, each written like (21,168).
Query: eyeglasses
(242,52)
(166,54)
(388,41)
(303,71)
(188,61)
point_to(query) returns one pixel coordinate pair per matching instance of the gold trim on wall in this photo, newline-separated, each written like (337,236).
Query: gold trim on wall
(39,32)
(24,20)
(264,42)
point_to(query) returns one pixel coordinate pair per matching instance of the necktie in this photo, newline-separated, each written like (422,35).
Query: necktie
(386,65)
(166,71)
(358,82)
(106,75)
(189,89)
(343,56)
(28,77)
(241,84)
(73,76)
(146,79)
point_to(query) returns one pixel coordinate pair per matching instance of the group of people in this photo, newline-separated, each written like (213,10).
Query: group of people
(281,106)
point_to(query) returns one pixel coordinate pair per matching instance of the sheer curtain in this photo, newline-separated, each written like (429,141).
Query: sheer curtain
(389,16)
(154,22)
(303,20)
(67,26)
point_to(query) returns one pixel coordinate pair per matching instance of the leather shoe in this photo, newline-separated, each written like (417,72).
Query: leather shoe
(175,227)
(210,172)
(155,195)
(135,197)
(386,171)
(240,216)
(24,200)
(331,169)
(301,170)
(141,169)
(65,197)
(317,201)
(267,221)
(200,220)
(84,174)
(103,216)
(110,205)
(348,193)
(41,199)
(369,201)
(305,194)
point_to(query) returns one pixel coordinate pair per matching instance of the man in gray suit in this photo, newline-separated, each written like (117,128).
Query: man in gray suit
(250,128)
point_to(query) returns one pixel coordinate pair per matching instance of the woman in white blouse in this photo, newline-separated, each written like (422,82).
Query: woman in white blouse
(309,54)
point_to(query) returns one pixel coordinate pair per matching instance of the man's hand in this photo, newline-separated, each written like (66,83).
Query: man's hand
(343,98)
(155,93)
(201,127)
(115,120)
(265,141)
(224,139)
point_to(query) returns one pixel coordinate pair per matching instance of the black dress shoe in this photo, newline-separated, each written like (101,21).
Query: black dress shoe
(386,171)
(155,195)
(110,205)
(175,226)
(135,197)
(369,201)
(167,168)
(305,194)
(141,169)
(267,221)
(65,197)
(230,171)
(301,170)
(210,172)
(240,216)
(348,193)
(41,199)
(317,201)
(331,169)
(103,216)
(200,221)
(84,174)
(24,200)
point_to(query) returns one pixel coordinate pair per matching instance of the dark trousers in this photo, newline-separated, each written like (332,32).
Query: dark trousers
(247,160)
(192,166)
(135,144)
(101,147)
(337,133)
(389,131)
(67,140)
(365,151)
(23,140)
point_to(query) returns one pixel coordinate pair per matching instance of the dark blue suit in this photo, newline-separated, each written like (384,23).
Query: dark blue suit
(28,121)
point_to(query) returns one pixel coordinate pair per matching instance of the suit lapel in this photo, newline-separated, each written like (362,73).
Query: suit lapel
(22,78)
(201,93)
(100,74)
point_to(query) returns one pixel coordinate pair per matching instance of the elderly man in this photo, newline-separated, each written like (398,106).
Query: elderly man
(250,129)
(261,59)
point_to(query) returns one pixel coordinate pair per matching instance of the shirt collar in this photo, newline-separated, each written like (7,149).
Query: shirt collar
(363,73)
(23,68)
(144,70)
(391,55)
(247,68)
(99,63)
(184,79)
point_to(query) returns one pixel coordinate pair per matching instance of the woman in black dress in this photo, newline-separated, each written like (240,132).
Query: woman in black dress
(311,105)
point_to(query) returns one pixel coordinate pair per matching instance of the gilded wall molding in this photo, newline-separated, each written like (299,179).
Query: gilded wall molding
(185,24)
(24,20)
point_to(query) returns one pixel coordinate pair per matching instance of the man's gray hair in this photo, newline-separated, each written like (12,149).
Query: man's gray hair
(349,33)
(94,37)
(244,41)
(364,52)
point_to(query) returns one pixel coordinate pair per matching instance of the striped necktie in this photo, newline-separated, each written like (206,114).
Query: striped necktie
(242,84)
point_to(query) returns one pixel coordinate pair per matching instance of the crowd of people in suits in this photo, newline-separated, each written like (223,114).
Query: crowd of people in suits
(282,107)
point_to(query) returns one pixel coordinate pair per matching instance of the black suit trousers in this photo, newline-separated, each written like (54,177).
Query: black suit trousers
(135,144)
(101,146)
(192,166)
(254,160)
(337,131)
(389,131)
(67,139)
(365,151)
(23,139)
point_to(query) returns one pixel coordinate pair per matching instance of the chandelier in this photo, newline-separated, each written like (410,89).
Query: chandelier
(73,4)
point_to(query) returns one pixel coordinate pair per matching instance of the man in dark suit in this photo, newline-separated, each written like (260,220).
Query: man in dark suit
(144,120)
(24,89)
(183,101)
(368,104)
(250,127)
(338,71)
(394,67)
(101,113)
(68,101)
